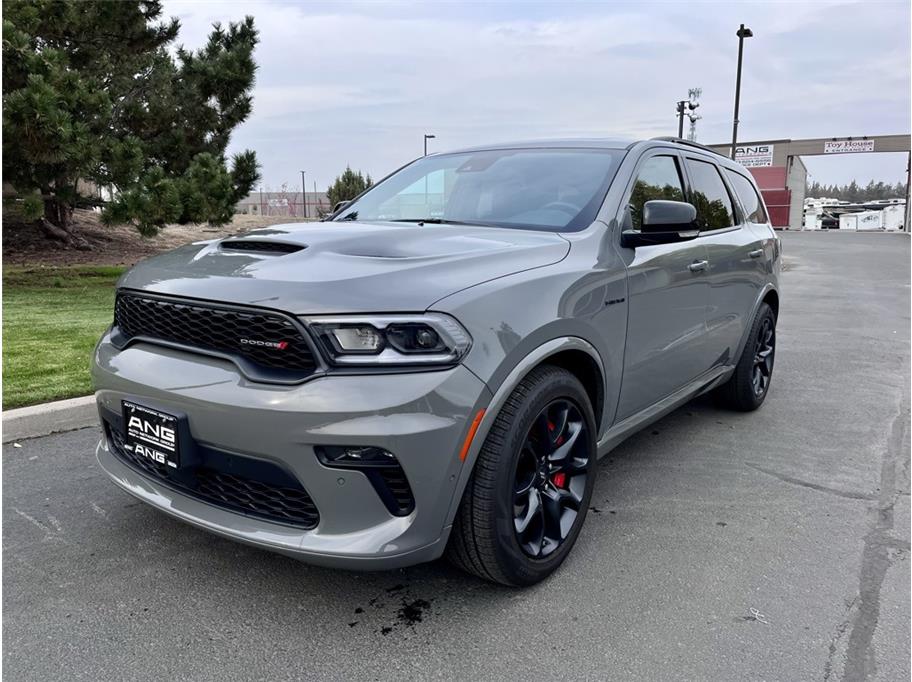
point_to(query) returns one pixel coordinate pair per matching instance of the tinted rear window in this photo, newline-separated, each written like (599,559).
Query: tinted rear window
(747,195)
(709,196)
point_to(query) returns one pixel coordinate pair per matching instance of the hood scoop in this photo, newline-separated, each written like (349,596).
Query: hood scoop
(260,246)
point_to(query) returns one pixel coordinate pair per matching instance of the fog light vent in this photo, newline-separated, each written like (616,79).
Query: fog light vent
(356,456)
(381,468)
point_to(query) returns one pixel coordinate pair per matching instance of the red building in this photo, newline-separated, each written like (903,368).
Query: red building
(774,186)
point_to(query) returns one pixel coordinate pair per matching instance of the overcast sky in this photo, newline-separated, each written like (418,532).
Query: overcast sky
(360,83)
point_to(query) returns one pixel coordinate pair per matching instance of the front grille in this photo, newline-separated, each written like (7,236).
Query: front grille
(214,328)
(286,502)
(260,498)
(260,246)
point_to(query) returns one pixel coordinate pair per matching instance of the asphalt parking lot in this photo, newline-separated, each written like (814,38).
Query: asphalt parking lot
(772,545)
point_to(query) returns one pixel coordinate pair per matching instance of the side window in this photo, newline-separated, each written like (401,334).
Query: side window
(658,178)
(710,197)
(750,200)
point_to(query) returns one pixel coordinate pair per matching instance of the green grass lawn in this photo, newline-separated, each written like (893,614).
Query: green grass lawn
(52,318)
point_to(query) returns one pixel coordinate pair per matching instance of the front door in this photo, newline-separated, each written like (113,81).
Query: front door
(667,294)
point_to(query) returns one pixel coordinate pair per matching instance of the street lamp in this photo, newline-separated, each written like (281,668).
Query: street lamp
(426,138)
(304,193)
(743,33)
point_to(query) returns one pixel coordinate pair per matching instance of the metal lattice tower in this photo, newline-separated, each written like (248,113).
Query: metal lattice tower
(693,95)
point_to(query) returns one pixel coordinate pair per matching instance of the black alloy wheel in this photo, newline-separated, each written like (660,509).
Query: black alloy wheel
(749,384)
(526,501)
(764,352)
(550,478)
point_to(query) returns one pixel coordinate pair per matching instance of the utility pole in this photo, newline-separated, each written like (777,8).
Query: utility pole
(681,106)
(742,34)
(426,138)
(304,193)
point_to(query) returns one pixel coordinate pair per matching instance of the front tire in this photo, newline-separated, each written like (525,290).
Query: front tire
(526,501)
(748,386)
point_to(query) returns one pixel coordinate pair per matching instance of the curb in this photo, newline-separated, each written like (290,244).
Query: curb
(42,420)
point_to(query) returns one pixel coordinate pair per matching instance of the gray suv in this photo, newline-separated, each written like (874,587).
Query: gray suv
(437,368)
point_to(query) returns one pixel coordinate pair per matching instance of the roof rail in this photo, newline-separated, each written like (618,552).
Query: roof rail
(689,143)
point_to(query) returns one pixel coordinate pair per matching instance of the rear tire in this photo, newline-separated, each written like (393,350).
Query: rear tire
(749,385)
(527,498)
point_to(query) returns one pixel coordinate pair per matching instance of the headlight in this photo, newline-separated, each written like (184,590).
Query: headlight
(389,340)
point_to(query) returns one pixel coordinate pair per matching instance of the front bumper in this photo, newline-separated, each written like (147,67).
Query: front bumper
(422,418)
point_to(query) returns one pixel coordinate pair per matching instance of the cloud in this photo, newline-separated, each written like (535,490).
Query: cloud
(360,83)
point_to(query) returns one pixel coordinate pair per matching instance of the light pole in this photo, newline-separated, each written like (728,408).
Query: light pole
(908,226)
(742,34)
(681,106)
(304,193)
(426,138)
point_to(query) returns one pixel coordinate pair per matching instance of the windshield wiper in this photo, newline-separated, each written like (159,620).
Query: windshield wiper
(435,221)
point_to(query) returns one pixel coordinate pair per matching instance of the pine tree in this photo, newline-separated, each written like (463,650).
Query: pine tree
(92,93)
(347,186)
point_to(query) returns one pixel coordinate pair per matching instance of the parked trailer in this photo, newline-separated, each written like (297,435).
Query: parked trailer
(861,221)
(811,219)
(894,217)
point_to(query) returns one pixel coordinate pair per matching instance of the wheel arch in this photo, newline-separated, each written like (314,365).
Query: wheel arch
(572,353)
(584,367)
(771,298)
(768,295)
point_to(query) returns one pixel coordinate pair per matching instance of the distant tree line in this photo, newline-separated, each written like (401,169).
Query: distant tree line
(856,193)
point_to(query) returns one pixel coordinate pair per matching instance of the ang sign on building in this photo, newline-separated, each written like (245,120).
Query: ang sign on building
(754,156)
(848,146)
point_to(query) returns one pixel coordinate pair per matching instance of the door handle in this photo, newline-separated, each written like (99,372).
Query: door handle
(698,265)
(756,254)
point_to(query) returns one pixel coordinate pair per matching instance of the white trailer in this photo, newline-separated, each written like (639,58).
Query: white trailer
(870,220)
(894,217)
(811,219)
(862,220)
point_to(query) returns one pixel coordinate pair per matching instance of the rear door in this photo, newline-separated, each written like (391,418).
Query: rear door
(733,252)
(666,327)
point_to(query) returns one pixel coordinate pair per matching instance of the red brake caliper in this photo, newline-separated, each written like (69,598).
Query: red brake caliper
(560,439)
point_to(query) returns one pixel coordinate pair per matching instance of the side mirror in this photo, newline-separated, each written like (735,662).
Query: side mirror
(668,216)
(339,206)
(664,222)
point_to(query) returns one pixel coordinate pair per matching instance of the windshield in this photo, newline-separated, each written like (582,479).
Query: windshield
(543,189)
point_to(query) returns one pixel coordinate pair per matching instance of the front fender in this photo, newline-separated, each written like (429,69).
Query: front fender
(528,362)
